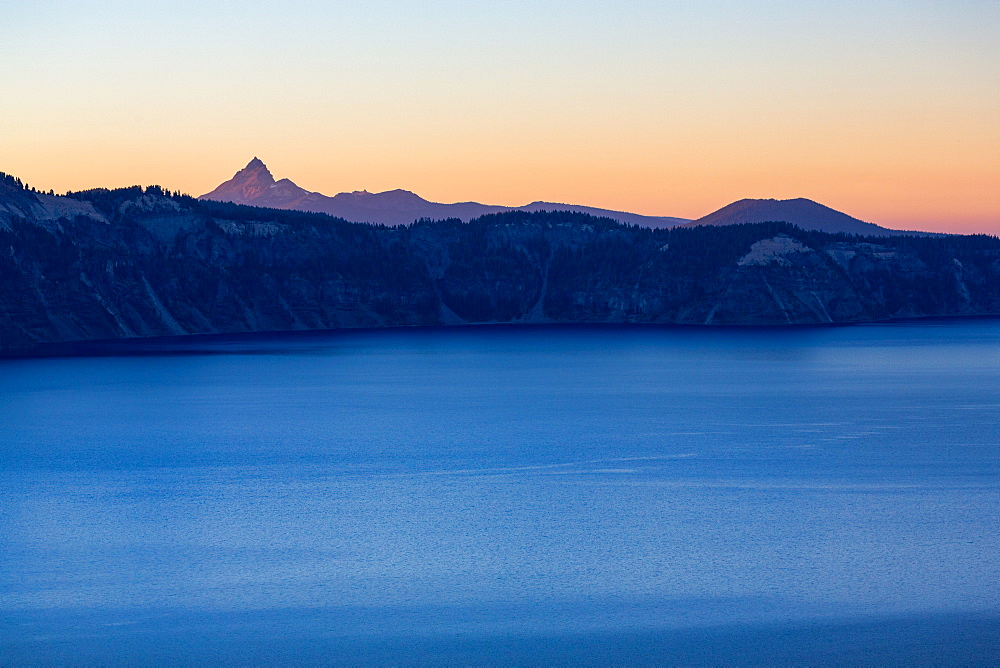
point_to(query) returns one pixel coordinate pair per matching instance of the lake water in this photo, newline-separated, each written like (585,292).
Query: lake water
(507,495)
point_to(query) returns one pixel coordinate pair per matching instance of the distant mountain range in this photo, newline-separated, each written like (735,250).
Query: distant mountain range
(254,185)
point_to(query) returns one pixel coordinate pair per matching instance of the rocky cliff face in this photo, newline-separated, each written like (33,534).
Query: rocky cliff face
(134,262)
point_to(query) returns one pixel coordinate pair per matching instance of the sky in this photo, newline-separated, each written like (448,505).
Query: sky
(888,111)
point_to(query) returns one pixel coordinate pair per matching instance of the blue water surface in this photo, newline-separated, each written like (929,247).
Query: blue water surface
(508,495)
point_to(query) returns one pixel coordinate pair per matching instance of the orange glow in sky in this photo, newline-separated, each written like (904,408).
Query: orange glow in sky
(887,111)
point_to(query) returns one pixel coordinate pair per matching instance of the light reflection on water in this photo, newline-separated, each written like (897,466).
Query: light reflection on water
(500,481)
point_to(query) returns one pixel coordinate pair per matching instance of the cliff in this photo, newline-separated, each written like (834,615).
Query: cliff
(142,262)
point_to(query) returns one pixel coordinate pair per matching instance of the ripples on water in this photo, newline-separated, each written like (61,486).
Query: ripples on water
(507,495)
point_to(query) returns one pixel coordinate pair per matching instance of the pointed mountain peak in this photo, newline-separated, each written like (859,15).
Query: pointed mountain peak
(255,167)
(249,184)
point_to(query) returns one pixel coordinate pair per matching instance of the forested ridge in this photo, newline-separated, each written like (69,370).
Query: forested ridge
(148,262)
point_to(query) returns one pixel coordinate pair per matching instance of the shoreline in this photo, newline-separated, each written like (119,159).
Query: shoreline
(181,344)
